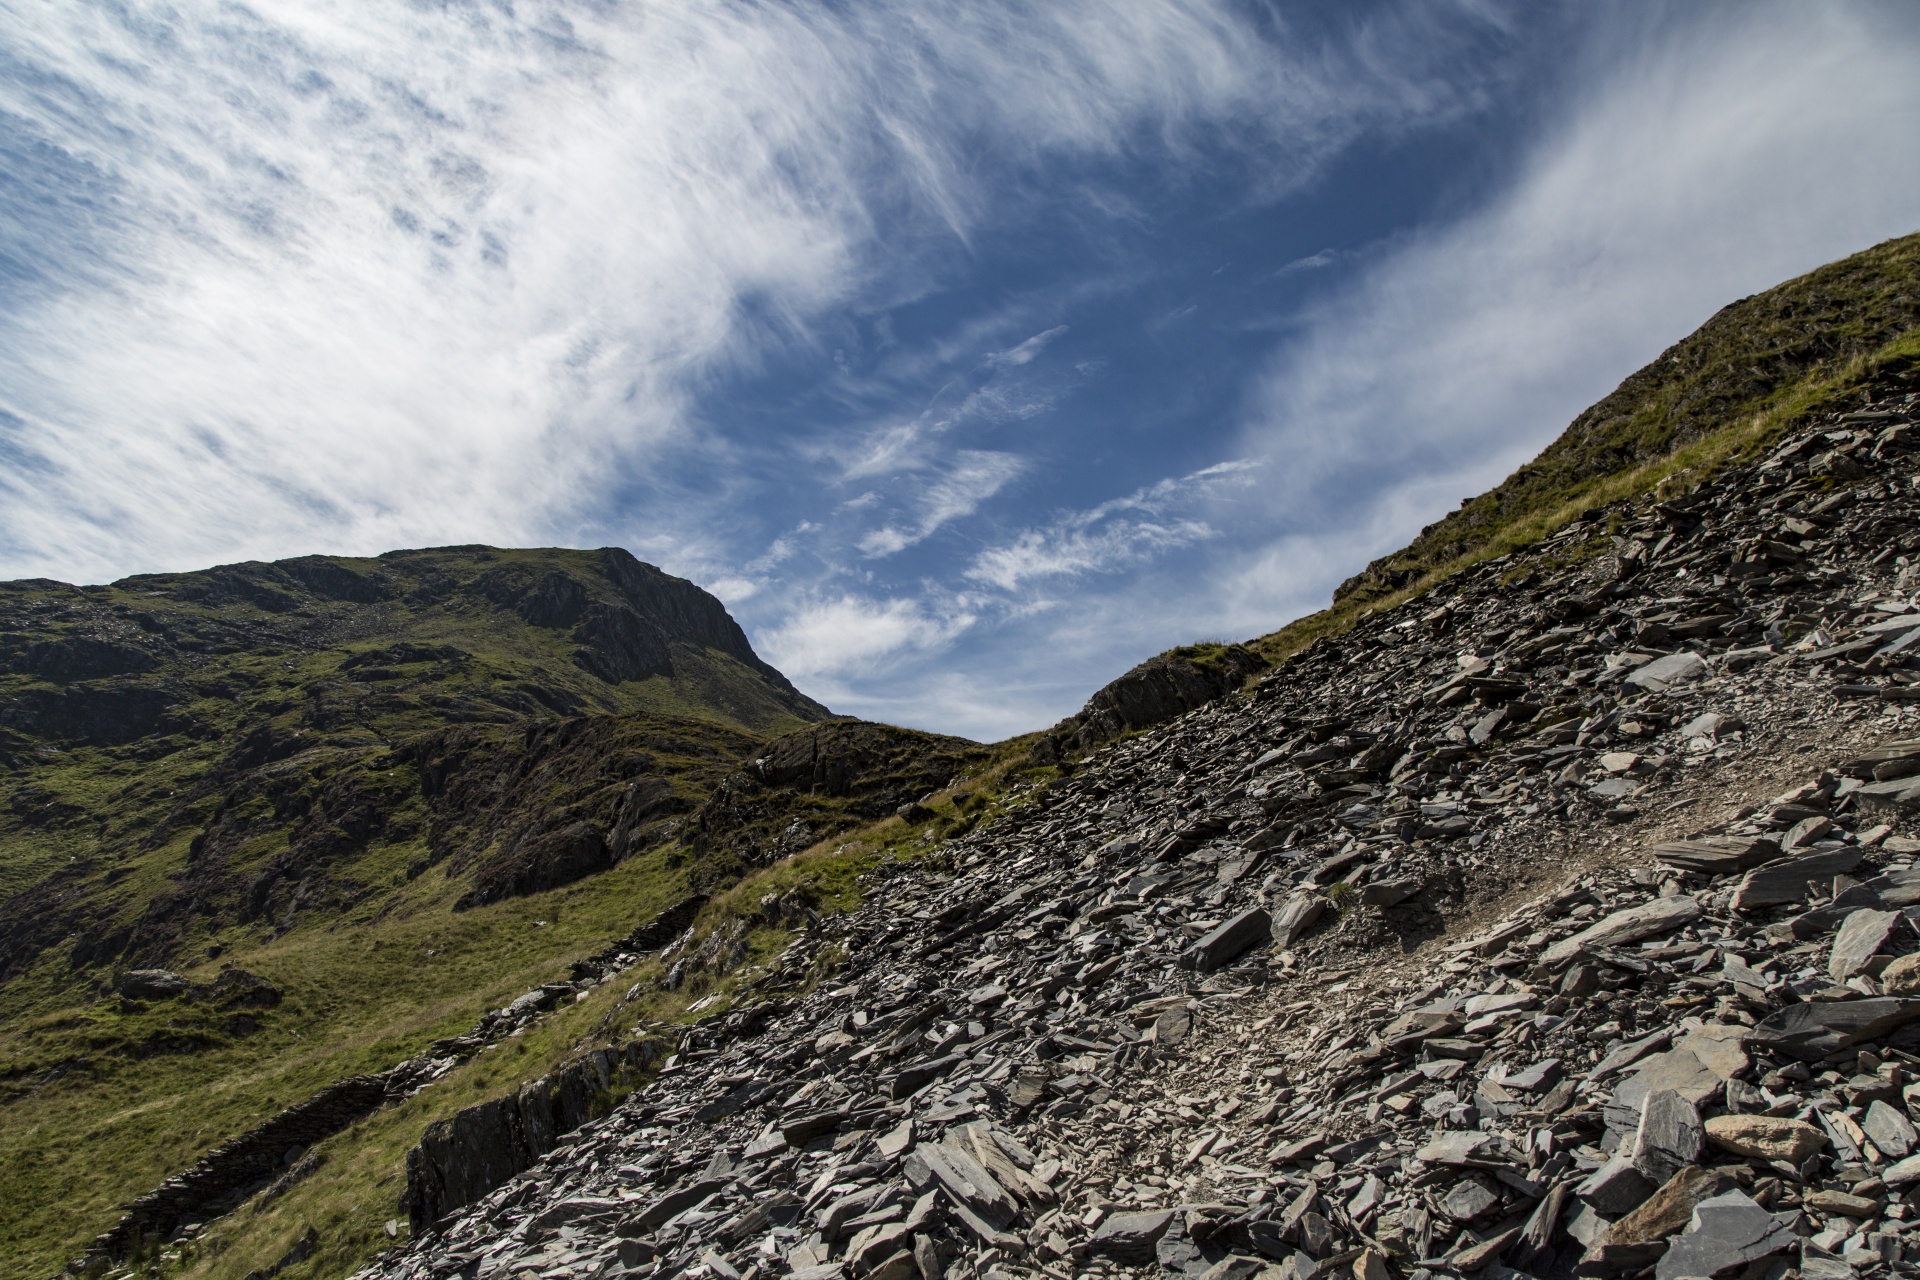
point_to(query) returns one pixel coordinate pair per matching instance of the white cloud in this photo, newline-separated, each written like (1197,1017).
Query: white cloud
(1025,352)
(1114,535)
(827,641)
(973,476)
(1688,169)
(346,275)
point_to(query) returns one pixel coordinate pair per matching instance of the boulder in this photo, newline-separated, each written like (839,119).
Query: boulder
(1767,1137)
(151,984)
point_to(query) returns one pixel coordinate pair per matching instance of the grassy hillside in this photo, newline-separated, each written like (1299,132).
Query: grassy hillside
(400,789)
(1750,374)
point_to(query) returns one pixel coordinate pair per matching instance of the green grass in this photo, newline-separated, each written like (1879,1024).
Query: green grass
(360,996)
(1827,387)
(1757,358)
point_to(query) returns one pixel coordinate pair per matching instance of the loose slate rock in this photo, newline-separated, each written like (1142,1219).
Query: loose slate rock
(1130,1238)
(1812,1031)
(1649,919)
(1670,1135)
(1228,941)
(1664,673)
(1861,936)
(1891,1131)
(1782,882)
(1727,1230)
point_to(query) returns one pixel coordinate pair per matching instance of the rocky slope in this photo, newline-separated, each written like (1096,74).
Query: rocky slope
(1555,922)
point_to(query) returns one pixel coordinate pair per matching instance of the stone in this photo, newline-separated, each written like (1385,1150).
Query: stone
(1843,1203)
(1302,911)
(1371,1265)
(1028,1087)
(1616,1187)
(151,984)
(1619,761)
(1409,1029)
(926,1258)
(1717,855)
(876,1243)
(1171,1027)
(1235,1266)
(1453,1146)
(895,1140)
(1787,881)
(1536,1235)
(1130,1238)
(1229,941)
(1670,1135)
(1861,936)
(914,1077)
(960,1176)
(1668,1211)
(1812,1031)
(900,1265)
(1468,1200)
(1717,1048)
(801,1130)
(1765,1137)
(1389,893)
(669,1206)
(1727,1230)
(1477,1256)
(1664,673)
(1677,1070)
(1649,919)
(1902,977)
(1890,1130)
(1629,1053)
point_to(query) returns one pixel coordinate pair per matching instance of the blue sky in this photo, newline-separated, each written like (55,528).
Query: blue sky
(970,351)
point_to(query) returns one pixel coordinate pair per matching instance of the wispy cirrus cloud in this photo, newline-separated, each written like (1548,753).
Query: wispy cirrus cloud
(1113,536)
(352,275)
(969,479)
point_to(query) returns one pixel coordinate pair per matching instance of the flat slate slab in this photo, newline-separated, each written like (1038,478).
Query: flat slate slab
(1812,1031)
(1648,920)
(1228,941)
(1861,936)
(1728,1230)
(1787,881)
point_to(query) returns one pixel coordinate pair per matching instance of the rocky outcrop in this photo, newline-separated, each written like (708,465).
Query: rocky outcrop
(1164,686)
(463,1157)
(815,782)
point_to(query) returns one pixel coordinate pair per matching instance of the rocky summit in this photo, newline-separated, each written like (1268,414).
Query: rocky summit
(1560,921)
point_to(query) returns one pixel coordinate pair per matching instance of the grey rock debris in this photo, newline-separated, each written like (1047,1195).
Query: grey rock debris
(1349,975)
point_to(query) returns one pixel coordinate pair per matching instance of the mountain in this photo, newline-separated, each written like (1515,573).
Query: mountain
(548,960)
(356,803)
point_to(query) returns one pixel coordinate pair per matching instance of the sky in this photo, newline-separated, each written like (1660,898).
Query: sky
(971,351)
